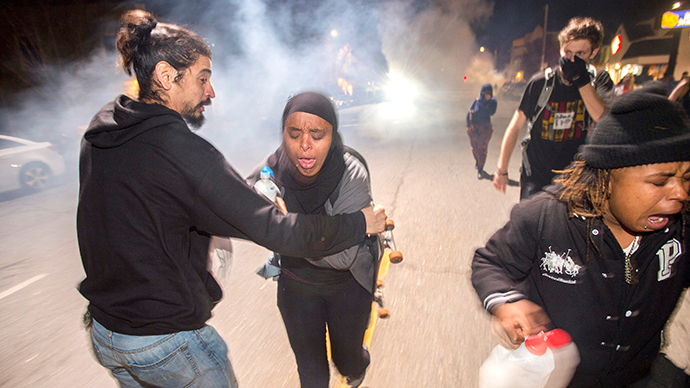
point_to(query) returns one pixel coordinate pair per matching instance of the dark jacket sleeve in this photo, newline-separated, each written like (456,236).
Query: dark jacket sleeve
(469,113)
(491,107)
(227,206)
(508,256)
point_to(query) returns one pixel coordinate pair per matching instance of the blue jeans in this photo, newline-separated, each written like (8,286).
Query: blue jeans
(197,358)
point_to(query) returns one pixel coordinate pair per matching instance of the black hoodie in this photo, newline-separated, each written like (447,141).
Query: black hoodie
(151,194)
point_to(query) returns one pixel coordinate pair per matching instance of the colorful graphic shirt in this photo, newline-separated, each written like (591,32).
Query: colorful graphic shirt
(562,126)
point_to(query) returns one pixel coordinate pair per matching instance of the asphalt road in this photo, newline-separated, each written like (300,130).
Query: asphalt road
(437,335)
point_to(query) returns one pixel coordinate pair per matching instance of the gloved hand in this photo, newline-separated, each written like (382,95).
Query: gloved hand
(575,71)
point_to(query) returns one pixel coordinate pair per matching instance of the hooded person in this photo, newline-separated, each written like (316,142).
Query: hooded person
(479,127)
(603,250)
(317,174)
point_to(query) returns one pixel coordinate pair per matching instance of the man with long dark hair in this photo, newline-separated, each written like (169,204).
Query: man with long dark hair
(151,194)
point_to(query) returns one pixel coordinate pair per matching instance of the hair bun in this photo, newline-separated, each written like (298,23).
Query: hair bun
(139,23)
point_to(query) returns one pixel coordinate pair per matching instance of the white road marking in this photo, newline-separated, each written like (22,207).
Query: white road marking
(21,285)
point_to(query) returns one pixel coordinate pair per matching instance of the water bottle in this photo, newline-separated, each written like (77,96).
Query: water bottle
(542,360)
(265,185)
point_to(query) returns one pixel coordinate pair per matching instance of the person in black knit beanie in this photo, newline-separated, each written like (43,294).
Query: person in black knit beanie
(641,128)
(603,251)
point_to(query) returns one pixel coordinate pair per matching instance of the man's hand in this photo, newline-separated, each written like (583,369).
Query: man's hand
(513,322)
(376,219)
(575,71)
(500,182)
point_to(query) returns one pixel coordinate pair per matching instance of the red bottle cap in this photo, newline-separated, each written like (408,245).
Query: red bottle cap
(536,344)
(557,338)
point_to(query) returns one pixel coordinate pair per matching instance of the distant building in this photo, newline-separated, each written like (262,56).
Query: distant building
(648,51)
(526,52)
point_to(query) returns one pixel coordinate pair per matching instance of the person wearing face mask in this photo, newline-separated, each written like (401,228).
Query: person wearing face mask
(317,174)
(577,97)
(603,251)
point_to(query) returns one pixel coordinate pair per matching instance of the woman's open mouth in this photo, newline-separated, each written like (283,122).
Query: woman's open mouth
(307,163)
(657,221)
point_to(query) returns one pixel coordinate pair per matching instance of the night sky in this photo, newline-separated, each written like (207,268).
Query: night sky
(263,50)
(513,19)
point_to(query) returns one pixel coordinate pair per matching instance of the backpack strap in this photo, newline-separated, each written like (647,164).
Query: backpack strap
(547,89)
(334,195)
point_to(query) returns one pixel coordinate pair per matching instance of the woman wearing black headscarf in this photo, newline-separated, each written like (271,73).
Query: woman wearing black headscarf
(316,174)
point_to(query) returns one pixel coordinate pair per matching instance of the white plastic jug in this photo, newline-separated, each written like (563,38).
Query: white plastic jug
(543,360)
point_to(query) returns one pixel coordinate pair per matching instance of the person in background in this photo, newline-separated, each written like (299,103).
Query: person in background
(151,194)
(479,127)
(626,85)
(604,251)
(577,99)
(318,175)
(680,93)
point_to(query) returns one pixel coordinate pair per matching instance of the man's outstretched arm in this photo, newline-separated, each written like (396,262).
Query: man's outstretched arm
(507,147)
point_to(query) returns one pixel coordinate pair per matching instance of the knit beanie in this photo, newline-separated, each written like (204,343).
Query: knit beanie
(643,127)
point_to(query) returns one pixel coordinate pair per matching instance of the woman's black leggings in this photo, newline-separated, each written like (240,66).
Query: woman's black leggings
(307,309)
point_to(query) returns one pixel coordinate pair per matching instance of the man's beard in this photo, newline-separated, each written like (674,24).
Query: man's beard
(193,117)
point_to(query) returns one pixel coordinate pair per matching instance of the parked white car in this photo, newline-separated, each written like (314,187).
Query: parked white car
(28,165)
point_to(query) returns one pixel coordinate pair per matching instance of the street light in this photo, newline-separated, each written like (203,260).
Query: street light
(481,49)
(676,5)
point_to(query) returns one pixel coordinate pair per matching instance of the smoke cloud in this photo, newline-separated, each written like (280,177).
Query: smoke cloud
(266,50)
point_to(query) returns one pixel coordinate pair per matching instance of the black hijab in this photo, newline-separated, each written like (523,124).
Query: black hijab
(309,194)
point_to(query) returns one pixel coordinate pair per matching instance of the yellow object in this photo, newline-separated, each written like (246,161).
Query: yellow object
(669,20)
(384,265)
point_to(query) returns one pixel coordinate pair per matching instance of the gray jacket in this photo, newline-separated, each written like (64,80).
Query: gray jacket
(354,194)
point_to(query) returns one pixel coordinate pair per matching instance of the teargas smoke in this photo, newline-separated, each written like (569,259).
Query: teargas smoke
(264,51)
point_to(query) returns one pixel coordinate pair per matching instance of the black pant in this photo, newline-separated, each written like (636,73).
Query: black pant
(530,185)
(307,309)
